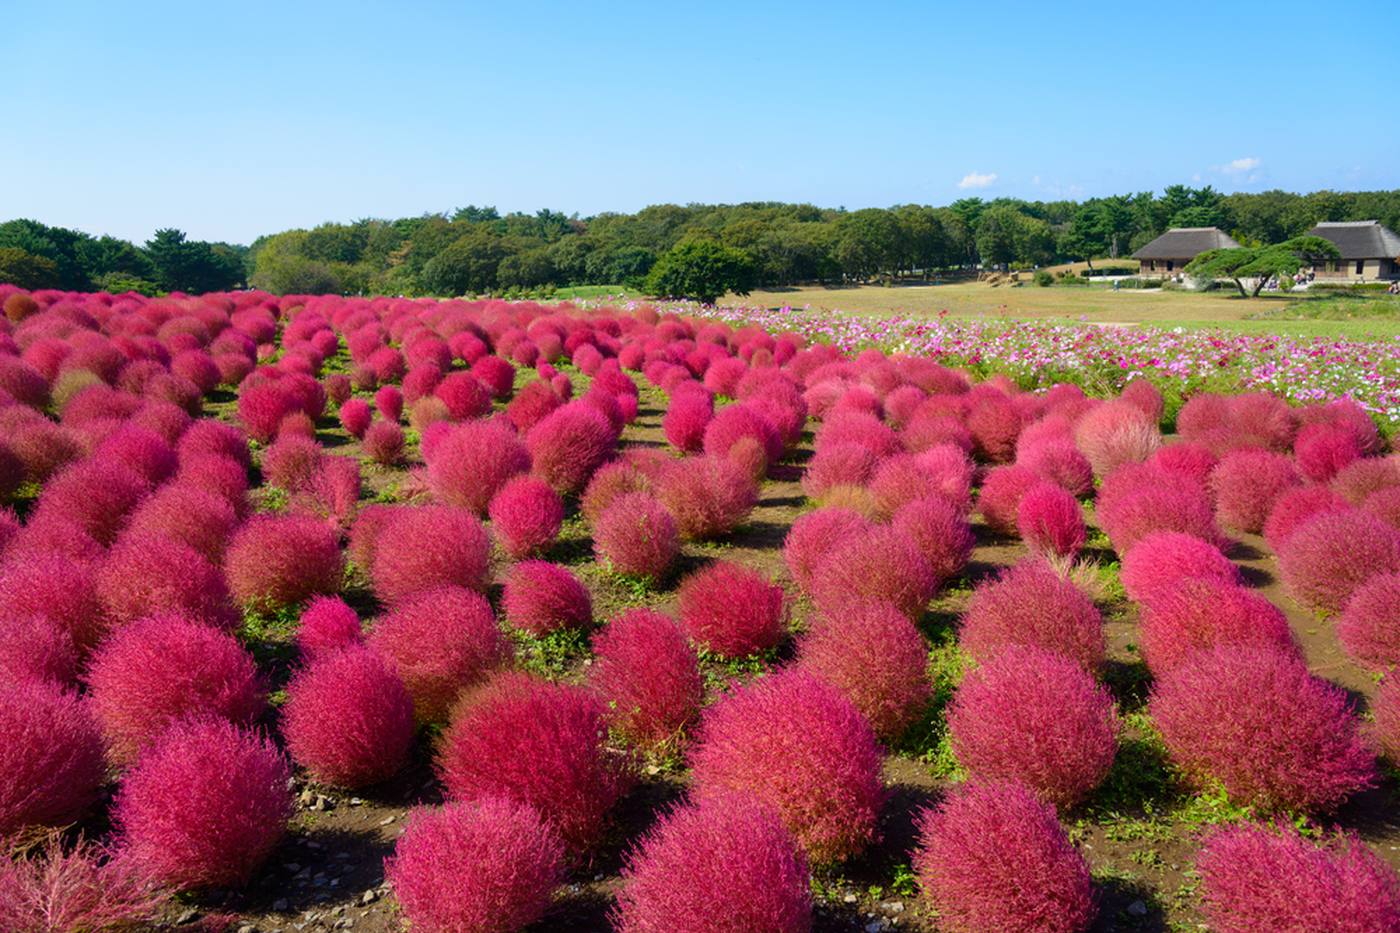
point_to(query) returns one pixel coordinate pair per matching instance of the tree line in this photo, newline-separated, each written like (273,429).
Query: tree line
(689,249)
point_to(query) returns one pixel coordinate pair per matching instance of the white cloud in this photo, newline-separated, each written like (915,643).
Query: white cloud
(1238,166)
(977,180)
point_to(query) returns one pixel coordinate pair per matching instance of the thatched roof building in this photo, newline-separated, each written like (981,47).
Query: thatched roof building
(1172,250)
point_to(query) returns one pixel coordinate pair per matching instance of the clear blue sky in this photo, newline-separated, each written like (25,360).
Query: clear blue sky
(233,119)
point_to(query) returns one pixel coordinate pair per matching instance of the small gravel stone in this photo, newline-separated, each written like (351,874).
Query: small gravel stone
(1137,909)
(189,916)
(849,899)
(369,897)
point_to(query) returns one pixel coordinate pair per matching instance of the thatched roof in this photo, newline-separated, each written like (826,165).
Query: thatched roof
(1186,243)
(1360,239)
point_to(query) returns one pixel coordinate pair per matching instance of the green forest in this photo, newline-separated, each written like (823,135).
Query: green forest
(477,250)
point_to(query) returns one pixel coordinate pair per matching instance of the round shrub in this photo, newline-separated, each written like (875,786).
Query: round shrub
(995,425)
(291,461)
(425,547)
(1115,433)
(464,396)
(1061,463)
(1367,628)
(882,563)
(97,495)
(1246,484)
(1254,719)
(1187,459)
(731,849)
(540,597)
(609,482)
(1037,717)
(355,417)
(1260,877)
(877,658)
(205,805)
(1032,880)
(185,513)
(526,515)
(384,443)
(636,535)
(1331,554)
(1295,507)
(389,402)
(283,560)
(708,496)
(1197,614)
(1324,450)
(685,421)
(813,535)
(348,719)
(1050,521)
(1385,707)
(731,610)
(482,866)
(568,444)
(51,756)
(999,500)
(845,464)
(795,743)
(1163,558)
(32,648)
(1366,477)
(140,450)
(538,743)
(473,461)
(647,673)
(440,642)
(1030,604)
(155,671)
(940,532)
(145,575)
(51,586)
(327,625)
(1156,501)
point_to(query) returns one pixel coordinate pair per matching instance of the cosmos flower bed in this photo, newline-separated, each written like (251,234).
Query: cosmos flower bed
(573,589)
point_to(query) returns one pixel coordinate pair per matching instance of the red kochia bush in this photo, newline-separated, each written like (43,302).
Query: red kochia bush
(812,536)
(1295,507)
(483,865)
(1163,558)
(1155,500)
(1368,628)
(1050,521)
(540,597)
(355,417)
(97,495)
(348,719)
(568,444)
(878,659)
(685,420)
(730,849)
(152,672)
(526,515)
(795,743)
(32,648)
(473,462)
(50,756)
(707,496)
(1385,707)
(542,744)
(1003,488)
(882,563)
(424,547)
(731,610)
(283,560)
(648,675)
(384,442)
(1061,463)
(636,535)
(185,513)
(1032,880)
(440,642)
(389,401)
(82,887)
(326,626)
(1257,877)
(144,575)
(1246,485)
(1257,721)
(1116,433)
(1030,604)
(1323,450)
(1190,460)
(1038,717)
(59,589)
(205,805)
(1194,614)
(1365,477)
(1331,554)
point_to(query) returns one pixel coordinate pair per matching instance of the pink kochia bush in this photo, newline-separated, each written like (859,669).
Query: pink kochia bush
(877,658)
(152,672)
(32,648)
(424,547)
(1137,501)
(1294,507)
(144,575)
(813,535)
(327,625)
(1369,627)
(1116,433)
(1386,709)
(732,844)
(1163,558)
(348,719)
(83,887)
(1254,719)
(999,500)
(1030,604)
(283,560)
(707,496)
(1259,877)
(478,866)
(1193,615)
(440,642)
(526,515)
(473,461)
(795,743)
(540,597)
(355,417)
(1246,485)
(1330,555)
(732,610)
(568,444)
(1050,521)
(940,532)
(50,756)
(647,673)
(538,743)
(993,857)
(58,589)
(1037,717)
(205,805)
(635,535)
(882,563)
(384,442)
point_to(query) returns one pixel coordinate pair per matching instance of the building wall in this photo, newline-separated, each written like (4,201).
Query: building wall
(1160,266)
(1345,270)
